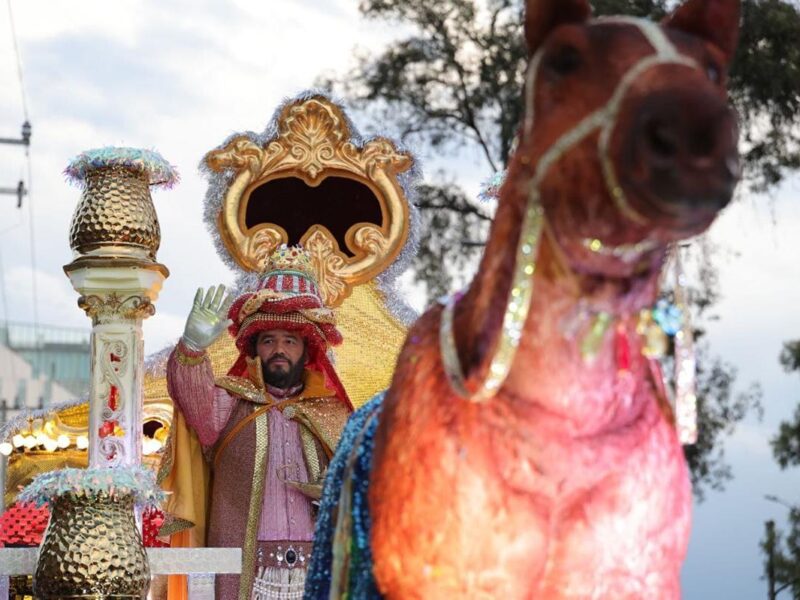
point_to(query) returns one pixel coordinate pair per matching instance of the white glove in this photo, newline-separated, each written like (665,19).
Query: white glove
(208,318)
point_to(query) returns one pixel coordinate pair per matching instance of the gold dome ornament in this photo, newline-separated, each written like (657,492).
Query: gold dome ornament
(92,547)
(115,217)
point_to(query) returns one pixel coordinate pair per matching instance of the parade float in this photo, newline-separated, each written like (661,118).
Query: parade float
(349,209)
(527,446)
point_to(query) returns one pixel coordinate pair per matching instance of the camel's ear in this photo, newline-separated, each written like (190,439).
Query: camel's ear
(542,16)
(716,21)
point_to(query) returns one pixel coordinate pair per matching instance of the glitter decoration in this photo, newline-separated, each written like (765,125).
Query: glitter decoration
(159,171)
(490,188)
(138,482)
(685,365)
(627,253)
(592,341)
(351,462)
(155,365)
(516,312)
(668,316)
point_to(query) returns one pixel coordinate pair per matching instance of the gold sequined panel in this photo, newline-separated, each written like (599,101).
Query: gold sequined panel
(240,386)
(372,340)
(76,416)
(23,467)
(325,417)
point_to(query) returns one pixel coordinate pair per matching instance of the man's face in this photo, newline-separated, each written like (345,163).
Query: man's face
(283,357)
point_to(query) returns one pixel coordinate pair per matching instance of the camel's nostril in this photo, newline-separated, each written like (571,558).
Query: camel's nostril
(703,142)
(662,140)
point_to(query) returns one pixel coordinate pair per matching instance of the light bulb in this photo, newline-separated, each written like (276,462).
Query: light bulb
(63,441)
(82,442)
(50,445)
(29,442)
(6,448)
(18,440)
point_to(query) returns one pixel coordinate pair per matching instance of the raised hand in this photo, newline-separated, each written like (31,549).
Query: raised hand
(208,318)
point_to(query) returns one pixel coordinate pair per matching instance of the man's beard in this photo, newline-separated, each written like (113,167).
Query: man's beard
(283,379)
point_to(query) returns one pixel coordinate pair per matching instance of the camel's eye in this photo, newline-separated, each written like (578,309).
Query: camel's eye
(564,60)
(713,72)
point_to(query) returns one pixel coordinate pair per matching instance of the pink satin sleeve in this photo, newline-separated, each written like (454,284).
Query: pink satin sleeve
(190,382)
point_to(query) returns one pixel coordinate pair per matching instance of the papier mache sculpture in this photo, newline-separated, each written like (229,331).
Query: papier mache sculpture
(525,448)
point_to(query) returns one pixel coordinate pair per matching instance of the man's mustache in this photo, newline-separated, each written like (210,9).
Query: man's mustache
(280,357)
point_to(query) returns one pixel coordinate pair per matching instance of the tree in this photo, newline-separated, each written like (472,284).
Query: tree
(782,564)
(456,79)
(786,445)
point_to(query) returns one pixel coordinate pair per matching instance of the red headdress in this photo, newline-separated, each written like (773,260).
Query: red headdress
(288,298)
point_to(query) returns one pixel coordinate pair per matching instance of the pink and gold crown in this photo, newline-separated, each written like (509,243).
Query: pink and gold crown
(291,258)
(287,297)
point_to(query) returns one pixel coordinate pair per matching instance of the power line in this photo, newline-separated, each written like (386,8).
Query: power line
(19,60)
(31,223)
(33,245)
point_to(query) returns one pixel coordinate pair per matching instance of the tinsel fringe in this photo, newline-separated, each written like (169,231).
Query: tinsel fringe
(159,171)
(20,423)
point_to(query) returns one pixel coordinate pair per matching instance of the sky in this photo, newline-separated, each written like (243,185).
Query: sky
(180,76)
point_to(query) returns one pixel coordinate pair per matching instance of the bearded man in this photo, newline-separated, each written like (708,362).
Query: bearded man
(270,426)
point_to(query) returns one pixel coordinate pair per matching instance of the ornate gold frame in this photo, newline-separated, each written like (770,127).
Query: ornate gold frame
(314,142)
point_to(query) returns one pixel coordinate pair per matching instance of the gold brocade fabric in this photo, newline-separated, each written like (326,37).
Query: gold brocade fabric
(256,504)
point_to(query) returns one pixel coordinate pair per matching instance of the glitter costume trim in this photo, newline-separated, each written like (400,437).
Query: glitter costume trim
(254,514)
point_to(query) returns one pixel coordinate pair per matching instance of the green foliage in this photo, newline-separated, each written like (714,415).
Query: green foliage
(446,208)
(765,88)
(785,549)
(786,445)
(719,409)
(785,553)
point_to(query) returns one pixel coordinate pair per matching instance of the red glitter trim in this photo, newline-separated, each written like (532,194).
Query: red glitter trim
(23,525)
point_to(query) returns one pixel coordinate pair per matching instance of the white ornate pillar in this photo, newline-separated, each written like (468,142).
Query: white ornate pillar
(117,299)
(92,546)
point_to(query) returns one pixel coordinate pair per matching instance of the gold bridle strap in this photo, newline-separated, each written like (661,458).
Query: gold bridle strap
(519,301)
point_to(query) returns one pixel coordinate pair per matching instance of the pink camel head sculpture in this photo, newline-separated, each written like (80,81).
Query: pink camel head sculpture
(508,463)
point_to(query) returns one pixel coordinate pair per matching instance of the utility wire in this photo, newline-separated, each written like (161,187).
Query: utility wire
(33,255)
(31,224)
(19,61)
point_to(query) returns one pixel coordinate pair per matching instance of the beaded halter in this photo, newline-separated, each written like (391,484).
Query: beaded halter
(518,305)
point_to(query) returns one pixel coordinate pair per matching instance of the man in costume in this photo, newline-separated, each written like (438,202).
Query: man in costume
(270,426)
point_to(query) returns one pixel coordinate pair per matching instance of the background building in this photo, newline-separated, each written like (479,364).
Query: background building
(40,366)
